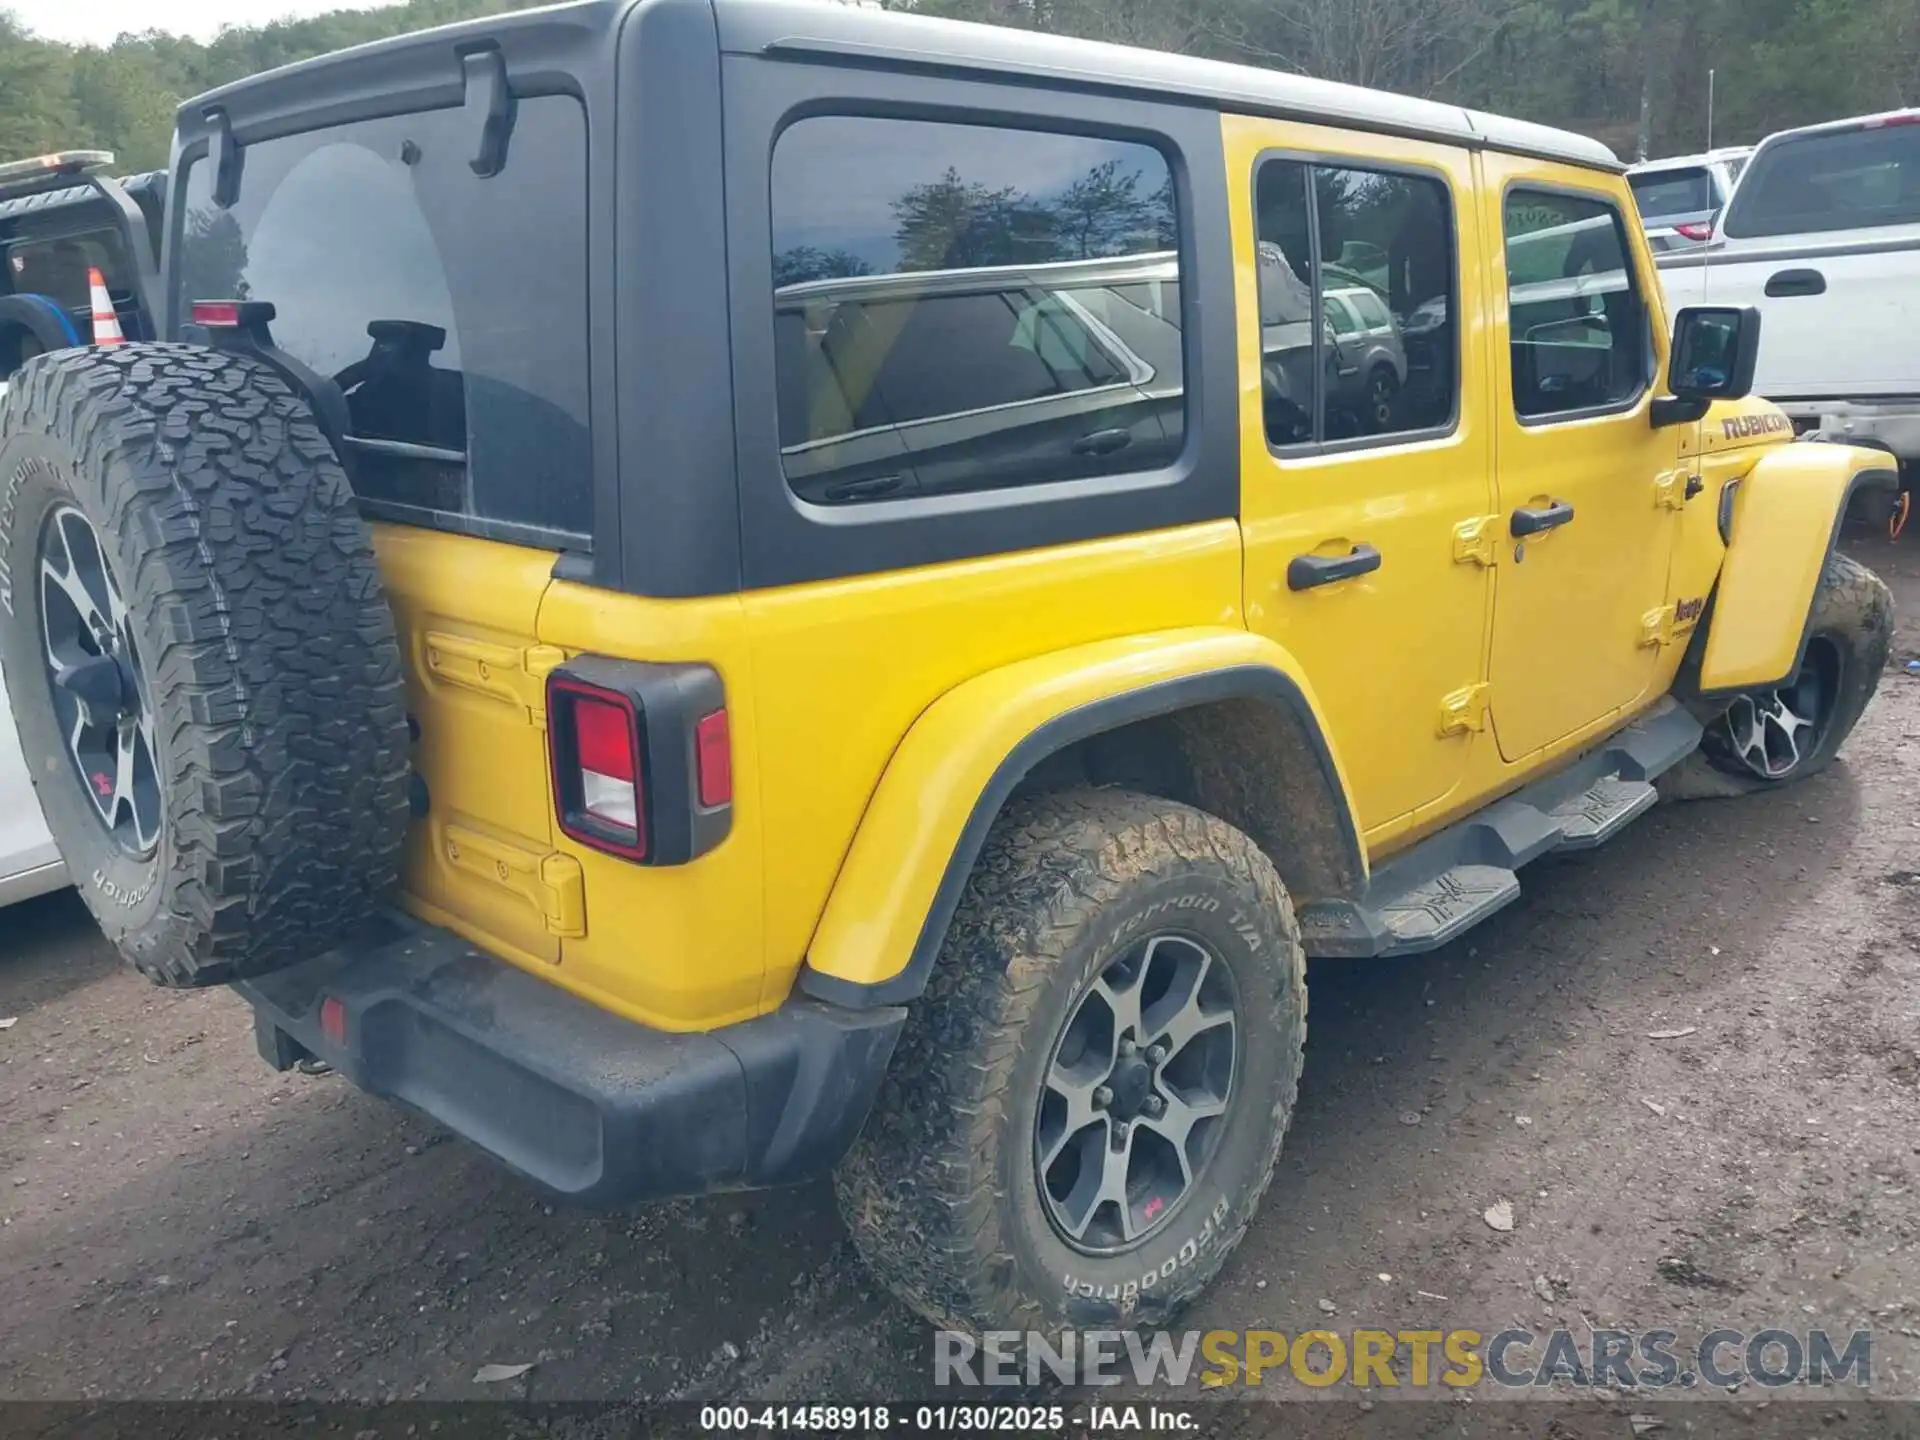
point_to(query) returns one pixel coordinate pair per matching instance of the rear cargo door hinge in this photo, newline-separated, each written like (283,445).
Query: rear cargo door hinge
(1657,627)
(563,897)
(1464,711)
(1477,541)
(552,883)
(507,673)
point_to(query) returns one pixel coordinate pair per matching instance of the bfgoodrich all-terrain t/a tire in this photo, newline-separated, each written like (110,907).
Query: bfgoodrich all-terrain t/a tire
(202,666)
(1122,973)
(1778,736)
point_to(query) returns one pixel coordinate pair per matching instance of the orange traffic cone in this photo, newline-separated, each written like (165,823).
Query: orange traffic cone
(106,324)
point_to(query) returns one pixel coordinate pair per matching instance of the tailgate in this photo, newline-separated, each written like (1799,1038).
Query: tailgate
(481,859)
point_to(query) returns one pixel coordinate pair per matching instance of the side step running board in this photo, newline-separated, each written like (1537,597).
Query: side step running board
(1450,882)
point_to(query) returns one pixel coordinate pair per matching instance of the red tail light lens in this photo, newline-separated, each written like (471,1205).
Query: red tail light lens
(597,771)
(1695,230)
(220,314)
(605,743)
(333,1020)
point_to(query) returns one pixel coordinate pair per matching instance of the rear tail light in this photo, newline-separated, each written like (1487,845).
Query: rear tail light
(231,314)
(598,769)
(1881,122)
(217,314)
(1695,230)
(642,758)
(333,1019)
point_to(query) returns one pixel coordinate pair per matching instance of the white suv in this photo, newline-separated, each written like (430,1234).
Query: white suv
(1679,197)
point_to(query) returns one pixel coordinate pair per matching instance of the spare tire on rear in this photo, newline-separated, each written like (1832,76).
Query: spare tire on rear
(199,656)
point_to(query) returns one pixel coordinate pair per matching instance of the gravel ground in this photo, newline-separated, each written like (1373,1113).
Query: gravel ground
(177,1221)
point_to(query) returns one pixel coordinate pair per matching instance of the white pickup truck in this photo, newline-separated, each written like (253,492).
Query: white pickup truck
(1822,233)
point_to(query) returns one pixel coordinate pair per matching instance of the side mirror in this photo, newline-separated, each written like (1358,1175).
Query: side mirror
(1715,350)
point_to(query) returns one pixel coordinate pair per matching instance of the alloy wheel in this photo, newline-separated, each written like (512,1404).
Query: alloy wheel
(101,700)
(1136,1093)
(1771,733)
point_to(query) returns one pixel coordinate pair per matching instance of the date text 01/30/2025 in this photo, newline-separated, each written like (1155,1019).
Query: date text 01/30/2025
(948,1419)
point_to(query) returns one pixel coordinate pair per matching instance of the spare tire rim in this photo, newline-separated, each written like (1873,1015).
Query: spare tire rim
(1771,733)
(101,700)
(1136,1093)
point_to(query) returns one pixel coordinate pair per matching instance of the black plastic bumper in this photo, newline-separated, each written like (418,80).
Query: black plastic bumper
(596,1108)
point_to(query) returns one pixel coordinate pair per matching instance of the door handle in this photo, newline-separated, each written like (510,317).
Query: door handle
(1796,282)
(1532,519)
(1103,442)
(1306,571)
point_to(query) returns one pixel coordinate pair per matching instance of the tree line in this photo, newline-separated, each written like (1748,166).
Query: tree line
(1633,73)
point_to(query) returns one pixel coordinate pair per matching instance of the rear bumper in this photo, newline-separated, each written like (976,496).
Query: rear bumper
(594,1107)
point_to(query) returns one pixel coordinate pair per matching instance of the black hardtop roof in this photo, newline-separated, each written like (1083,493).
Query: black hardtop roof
(868,34)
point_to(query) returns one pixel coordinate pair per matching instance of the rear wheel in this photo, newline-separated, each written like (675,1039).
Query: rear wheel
(1784,733)
(1088,1103)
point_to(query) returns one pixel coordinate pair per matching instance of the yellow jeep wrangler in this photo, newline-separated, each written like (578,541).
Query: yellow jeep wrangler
(715,591)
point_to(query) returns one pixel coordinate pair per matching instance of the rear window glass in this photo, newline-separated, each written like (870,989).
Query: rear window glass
(1672,192)
(961,307)
(57,268)
(1843,180)
(450,308)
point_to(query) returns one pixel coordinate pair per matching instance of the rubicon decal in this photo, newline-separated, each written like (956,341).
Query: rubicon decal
(1739,427)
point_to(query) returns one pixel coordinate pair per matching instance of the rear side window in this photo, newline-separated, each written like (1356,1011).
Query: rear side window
(964,307)
(450,308)
(1843,180)
(1576,319)
(1663,193)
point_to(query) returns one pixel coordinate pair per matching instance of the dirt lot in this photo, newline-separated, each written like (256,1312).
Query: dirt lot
(177,1221)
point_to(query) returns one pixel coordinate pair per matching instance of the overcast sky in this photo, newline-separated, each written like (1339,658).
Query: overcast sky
(99,21)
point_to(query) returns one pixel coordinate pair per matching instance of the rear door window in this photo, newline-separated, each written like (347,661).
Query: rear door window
(450,308)
(1840,180)
(966,307)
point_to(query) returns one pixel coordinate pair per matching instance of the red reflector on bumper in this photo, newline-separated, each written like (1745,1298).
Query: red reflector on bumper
(333,1020)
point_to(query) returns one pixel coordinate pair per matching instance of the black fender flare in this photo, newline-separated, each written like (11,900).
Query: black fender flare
(1344,867)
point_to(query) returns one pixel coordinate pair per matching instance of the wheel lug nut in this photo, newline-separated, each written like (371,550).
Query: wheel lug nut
(1157,1054)
(1127,1047)
(1120,1132)
(1155,1105)
(1102,1097)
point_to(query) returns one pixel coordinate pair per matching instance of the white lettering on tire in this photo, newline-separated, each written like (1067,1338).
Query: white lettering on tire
(1191,1249)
